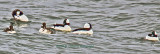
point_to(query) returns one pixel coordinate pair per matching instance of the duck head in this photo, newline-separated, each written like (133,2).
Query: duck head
(17,12)
(11,28)
(154,32)
(88,25)
(43,25)
(66,22)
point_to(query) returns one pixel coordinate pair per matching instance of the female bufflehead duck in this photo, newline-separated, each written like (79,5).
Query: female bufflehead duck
(18,15)
(86,30)
(10,29)
(45,30)
(63,27)
(152,36)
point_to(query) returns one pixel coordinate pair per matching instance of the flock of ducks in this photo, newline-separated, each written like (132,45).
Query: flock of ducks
(18,15)
(87,29)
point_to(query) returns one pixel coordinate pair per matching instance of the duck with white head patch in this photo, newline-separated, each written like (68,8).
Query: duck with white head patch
(10,29)
(45,30)
(62,27)
(18,15)
(86,30)
(152,37)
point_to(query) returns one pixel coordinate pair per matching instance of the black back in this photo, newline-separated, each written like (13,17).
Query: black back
(84,29)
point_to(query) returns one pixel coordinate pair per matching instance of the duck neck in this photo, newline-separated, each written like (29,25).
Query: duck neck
(11,28)
(44,27)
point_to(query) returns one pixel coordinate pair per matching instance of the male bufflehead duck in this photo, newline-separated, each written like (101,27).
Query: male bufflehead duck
(10,29)
(152,37)
(62,27)
(86,30)
(18,15)
(45,30)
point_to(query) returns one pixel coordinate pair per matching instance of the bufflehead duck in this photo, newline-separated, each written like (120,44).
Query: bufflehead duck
(62,27)
(18,15)
(86,30)
(10,29)
(152,36)
(45,30)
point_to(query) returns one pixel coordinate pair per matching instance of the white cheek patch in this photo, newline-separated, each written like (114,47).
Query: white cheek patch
(155,33)
(86,25)
(67,21)
(18,13)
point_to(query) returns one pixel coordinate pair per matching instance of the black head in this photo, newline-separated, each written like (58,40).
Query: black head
(16,11)
(43,25)
(154,32)
(11,28)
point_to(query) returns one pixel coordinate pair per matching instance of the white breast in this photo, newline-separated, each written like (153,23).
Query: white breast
(41,30)
(44,31)
(22,18)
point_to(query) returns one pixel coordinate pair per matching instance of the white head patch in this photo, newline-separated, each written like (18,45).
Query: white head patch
(155,33)
(67,21)
(86,25)
(18,13)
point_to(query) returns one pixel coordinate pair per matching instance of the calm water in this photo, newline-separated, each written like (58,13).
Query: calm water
(119,26)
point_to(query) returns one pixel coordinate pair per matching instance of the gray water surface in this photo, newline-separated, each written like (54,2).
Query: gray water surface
(119,26)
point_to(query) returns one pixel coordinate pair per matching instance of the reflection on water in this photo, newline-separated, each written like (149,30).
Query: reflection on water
(20,24)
